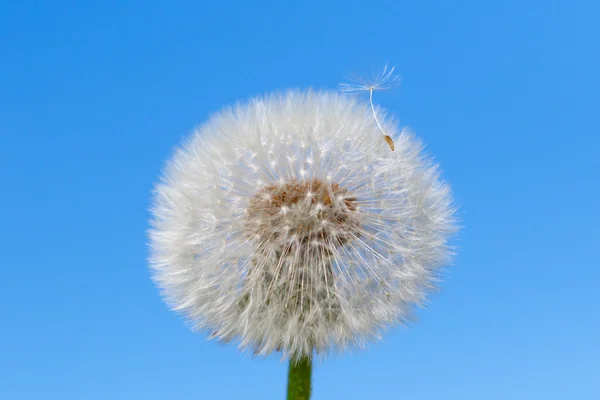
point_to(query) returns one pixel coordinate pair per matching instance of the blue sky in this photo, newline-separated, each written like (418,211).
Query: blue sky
(93,97)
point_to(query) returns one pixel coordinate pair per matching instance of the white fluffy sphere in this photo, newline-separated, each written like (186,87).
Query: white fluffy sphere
(290,225)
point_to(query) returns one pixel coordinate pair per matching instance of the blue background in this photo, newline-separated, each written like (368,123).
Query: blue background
(95,94)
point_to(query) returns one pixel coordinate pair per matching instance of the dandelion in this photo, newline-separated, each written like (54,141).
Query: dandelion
(286,225)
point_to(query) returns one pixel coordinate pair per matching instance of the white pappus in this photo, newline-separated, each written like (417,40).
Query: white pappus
(288,224)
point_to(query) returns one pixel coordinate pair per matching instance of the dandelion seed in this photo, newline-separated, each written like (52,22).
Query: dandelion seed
(389,141)
(384,81)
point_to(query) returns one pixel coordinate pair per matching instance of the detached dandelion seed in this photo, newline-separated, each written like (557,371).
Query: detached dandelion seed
(285,225)
(384,81)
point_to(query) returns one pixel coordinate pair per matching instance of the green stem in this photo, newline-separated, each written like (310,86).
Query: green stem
(299,379)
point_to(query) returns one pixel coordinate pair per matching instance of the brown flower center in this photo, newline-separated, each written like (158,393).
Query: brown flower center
(302,211)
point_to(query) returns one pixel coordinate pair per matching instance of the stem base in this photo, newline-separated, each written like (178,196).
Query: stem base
(299,377)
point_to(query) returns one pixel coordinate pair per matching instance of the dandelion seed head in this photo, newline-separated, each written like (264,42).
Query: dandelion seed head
(286,224)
